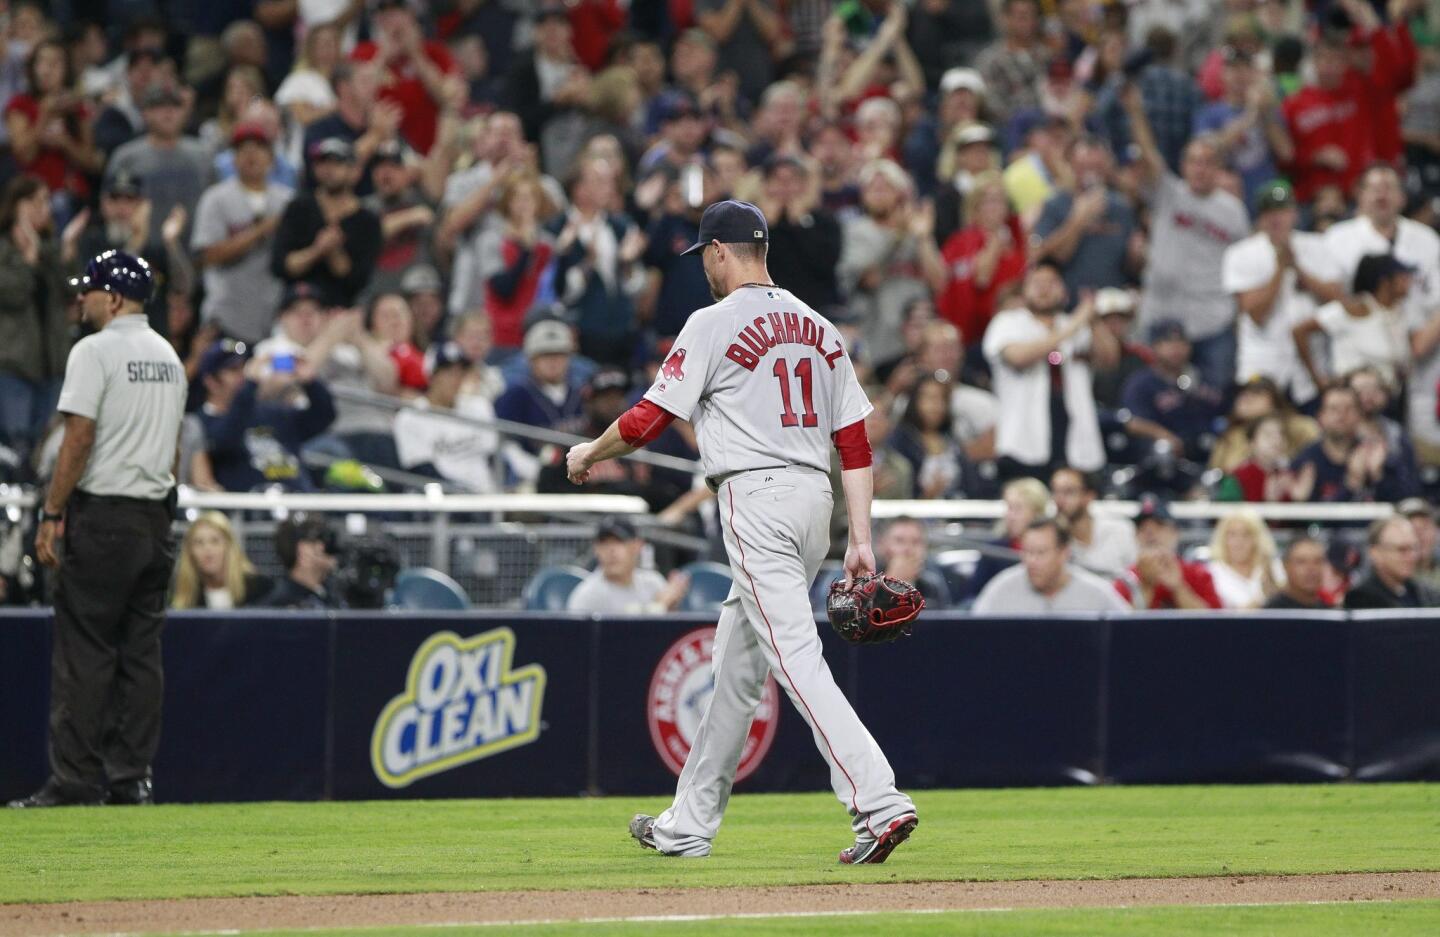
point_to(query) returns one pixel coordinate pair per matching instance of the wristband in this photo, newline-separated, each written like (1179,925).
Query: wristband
(46,516)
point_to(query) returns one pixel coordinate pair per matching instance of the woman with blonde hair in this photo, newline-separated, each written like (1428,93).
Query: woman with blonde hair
(1242,560)
(1026,501)
(982,259)
(213,571)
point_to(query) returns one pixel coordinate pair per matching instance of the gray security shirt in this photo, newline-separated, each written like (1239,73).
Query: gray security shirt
(131,383)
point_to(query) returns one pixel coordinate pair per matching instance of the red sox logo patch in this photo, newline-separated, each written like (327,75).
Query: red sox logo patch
(680,691)
(674,366)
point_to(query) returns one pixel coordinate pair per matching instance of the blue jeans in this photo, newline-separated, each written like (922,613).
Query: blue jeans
(1214,358)
(25,408)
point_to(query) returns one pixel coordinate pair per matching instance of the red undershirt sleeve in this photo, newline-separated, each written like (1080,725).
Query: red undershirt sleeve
(643,423)
(854,445)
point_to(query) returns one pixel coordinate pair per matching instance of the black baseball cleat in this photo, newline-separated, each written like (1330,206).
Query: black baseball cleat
(53,795)
(642,827)
(137,793)
(877,850)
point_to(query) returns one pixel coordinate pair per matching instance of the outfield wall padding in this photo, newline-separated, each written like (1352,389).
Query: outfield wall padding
(297,706)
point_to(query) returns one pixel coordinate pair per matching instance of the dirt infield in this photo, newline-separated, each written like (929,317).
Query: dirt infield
(212,914)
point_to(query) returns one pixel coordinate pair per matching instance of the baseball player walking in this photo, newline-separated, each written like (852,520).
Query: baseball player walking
(768,386)
(111,500)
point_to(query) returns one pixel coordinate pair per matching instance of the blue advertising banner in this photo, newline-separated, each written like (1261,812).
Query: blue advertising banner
(361,705)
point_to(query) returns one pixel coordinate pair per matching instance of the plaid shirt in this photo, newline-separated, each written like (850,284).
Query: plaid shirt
(1172,101)
(1012,78)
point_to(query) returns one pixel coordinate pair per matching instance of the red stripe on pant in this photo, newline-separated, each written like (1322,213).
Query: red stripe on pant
(854,791)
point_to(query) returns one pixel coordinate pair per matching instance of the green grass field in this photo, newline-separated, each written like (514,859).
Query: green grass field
(417,846)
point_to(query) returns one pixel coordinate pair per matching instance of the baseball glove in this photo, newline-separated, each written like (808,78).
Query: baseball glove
(873,609)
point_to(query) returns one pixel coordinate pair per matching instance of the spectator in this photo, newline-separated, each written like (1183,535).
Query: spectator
(50,126)
(618,586)
(744,32)
(242,84)
(925,441)
(1013,65)
(968,153)
(234,235)
(1116,309)
(1040,358)
(435,444)
(903,550)
(1046,581)
(1422,518)
(1394,558)
(1375,407)
(683,130)
(1255,400)
(676,287)
(1349,462)
(1242,560)
(983,261)
(1193,221)
(973,412)
(307,93)
(805,239)
(503,271)
(423,289)
(406,218)
(1169,402)
(1367,329)
(121,121)
(417,75)
(472,333)
(1039,168)
(174,169)
(1379,228)
(1088,231)
(888,257)
(548,87)
(1333,121)
(546,398)
(392,327)
(596,252)
(1103,543)
(1246,124)
(326,237)
(1304,576)
(1160,579)
(1266,475)
(1163,96)
(307,547)
(605,398)
(1278,277)
(952,147)
(359,118)
(1025,502)
(256,417)
(214,573)
(34,329)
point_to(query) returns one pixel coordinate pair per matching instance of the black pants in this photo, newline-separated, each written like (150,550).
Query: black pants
(106,682)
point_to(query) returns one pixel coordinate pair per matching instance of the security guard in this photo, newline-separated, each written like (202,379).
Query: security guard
(110,506)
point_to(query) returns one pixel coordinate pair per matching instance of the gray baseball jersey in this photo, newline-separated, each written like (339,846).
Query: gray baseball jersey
(764,379)
(129,380)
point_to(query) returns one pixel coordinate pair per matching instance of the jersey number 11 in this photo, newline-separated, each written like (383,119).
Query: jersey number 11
(803,371)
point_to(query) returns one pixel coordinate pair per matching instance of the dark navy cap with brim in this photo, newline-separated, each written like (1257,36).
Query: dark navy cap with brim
(731,222)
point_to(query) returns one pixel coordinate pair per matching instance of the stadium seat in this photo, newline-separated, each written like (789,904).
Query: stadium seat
(709,586)
(550,588)
(426,589)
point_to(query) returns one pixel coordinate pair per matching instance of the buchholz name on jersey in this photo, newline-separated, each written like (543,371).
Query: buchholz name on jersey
(781,328)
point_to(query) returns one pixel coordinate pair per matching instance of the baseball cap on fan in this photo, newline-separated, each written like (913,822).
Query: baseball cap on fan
(730,222)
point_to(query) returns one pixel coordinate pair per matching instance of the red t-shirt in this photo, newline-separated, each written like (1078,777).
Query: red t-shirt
(1252,478)
(409,366)
(507,314)
(1196,576)
(1392,72)
(50,165)
(964,302)
(593,24)
(1318,118)
(401,84)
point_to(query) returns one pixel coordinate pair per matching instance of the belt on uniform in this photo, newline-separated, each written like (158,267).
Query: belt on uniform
(715,481)
(85,497)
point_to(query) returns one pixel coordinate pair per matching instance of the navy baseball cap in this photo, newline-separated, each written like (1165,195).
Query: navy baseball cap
(1166,330)
(616,527)
(120,273)
(730,222)
(223,354)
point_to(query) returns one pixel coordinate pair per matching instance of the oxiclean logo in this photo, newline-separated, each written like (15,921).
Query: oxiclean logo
(462,702)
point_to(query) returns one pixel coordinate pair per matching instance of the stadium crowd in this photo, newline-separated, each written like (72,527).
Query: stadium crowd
(1184,247)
